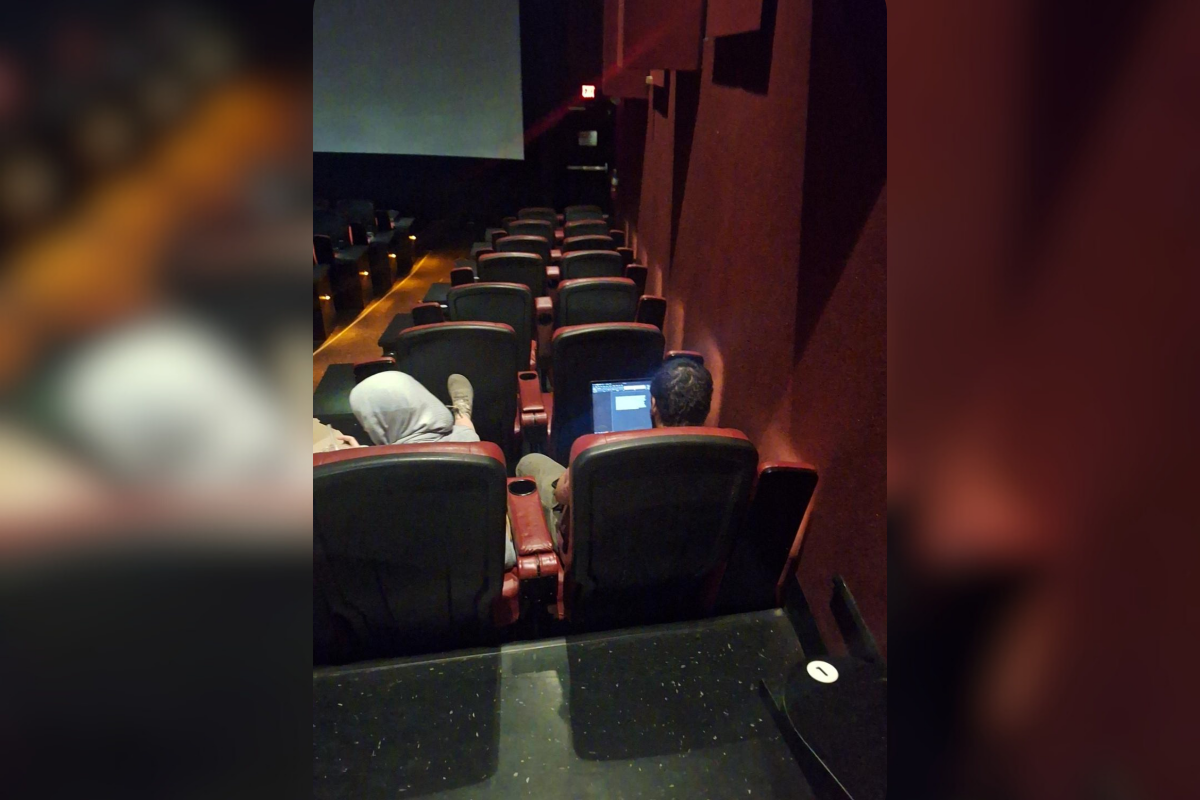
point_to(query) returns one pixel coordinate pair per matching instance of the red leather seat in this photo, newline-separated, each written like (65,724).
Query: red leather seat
(591,264)
(506,303)
(539,212)
(590,300)
(526,244)
(408,549)
(575,213)
(590,242)
(531,227)
(586,353)
(488,354)
(585,227)
(652,517)
(525,268)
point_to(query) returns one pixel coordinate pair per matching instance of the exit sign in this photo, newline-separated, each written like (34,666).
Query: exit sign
(589,91)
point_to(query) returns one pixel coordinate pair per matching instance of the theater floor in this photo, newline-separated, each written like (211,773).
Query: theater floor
(357,340)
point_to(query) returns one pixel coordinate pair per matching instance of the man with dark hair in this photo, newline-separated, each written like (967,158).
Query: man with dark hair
(680,395)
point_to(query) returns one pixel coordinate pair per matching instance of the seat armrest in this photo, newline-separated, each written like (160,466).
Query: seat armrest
(626,255)
(544,319)
(531,393)
(528,518)
(538,565)
(533,410)
(689,354)
(461,275)
(553,276)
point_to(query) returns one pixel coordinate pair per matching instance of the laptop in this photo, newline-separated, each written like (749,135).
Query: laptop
(621,406)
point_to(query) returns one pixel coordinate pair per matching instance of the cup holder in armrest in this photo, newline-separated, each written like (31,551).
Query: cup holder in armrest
(544,319)
(527,376)
(522,487)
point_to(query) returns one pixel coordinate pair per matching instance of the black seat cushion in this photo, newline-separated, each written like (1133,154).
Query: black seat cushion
(591,300)
(653,514)
(525,244)
(586,353)
(531,227)
(487,353)
(589,242)
(592,264)
(507,303)
(539,212)
(585,227)
(408,548)
(527,269)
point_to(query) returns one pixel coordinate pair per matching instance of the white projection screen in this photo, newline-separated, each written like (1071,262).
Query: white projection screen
(418,77)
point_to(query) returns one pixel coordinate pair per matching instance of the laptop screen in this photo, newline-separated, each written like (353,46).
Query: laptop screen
(620,406)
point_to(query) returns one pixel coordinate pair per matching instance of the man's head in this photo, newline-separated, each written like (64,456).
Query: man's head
(680,393)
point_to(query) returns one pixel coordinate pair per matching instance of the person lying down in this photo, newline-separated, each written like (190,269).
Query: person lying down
(394,408)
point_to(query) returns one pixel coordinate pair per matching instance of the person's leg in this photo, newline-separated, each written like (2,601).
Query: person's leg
(462,399)
(544,471)
(462,433)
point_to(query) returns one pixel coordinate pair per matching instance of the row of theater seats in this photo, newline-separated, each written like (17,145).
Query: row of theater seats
(358,253)
(662,527)
(577,274)
(665,524)
(567,334)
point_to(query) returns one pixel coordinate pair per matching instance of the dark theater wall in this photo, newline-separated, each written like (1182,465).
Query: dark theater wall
(761,212)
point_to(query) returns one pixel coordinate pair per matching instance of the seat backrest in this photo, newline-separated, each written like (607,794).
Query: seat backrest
(591,264)
(531,227)
(575,213)
(507,303)
(332,224)
(408,548)
(360,211)
(589,242)
(653,515)
(526,269)
(590,300)
(782,494)
(538,212)
(322,249)
(652,310)
(585,227)
(586,353)
(524,244)
(638,274)
(487,353)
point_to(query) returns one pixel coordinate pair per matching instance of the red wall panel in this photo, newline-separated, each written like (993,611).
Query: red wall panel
(653,241)
(618,80)
(661,34)
(726,17)
(645,35)
(720,225)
